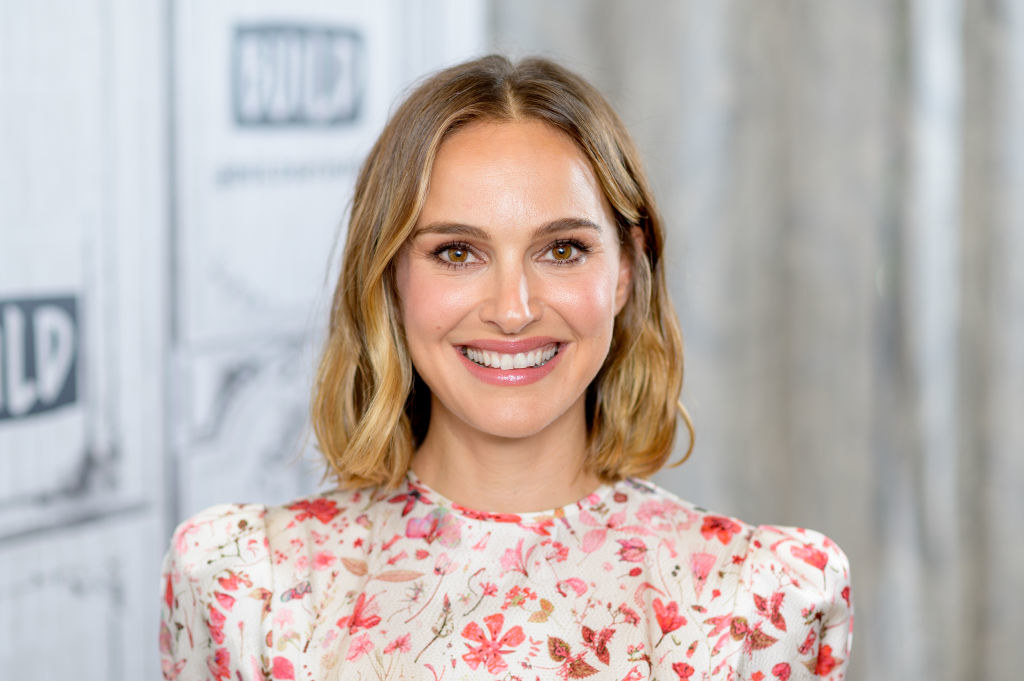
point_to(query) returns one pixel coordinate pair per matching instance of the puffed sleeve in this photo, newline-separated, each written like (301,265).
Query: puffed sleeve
(211,593)
(793,611)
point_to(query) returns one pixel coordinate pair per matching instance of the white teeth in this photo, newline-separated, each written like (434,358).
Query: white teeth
(520,360)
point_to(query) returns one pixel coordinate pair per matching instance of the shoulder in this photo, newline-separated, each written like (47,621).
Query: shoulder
(779,596)
(228,536)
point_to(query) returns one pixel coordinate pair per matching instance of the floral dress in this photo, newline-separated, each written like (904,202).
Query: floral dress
(629,583)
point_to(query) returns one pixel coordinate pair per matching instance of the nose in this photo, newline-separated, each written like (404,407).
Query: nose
(509,305)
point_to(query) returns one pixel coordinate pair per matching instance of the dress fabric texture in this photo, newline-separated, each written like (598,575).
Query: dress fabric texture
(630,582)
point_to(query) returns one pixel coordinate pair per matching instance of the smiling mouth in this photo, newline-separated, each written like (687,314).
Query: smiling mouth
(505,362)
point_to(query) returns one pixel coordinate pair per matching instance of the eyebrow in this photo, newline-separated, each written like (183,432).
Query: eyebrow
(553,227)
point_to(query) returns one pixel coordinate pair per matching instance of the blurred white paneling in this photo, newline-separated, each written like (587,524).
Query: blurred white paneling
(81,292)
(80,604)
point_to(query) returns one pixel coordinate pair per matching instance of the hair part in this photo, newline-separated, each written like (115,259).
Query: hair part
(370,409)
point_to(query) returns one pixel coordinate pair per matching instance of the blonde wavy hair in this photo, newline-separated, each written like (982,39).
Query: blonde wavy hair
(370,409)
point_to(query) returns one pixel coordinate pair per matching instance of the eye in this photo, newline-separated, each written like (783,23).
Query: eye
(562,251)
(566,252)
(455,254)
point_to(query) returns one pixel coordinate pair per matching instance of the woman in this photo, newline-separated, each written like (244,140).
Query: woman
(501,344)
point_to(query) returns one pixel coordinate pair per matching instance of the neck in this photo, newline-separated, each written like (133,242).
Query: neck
(506,475)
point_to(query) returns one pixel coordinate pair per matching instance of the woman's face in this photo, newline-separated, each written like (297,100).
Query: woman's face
(511,280)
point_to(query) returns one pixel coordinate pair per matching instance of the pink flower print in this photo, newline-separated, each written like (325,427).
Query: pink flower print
(282,668)
(594,539)
(359,647)
(400,644)
(220,664)
(633,550)
(574,583)
(443,565)
(490,649)
(682,670)
(668,616)
(320,508)
(658,513)
(721,527)
(363,615)
(282,617)
(558,553)
(323,560)
(513,560)
(781,671)
(810,555)
(165,639)
(439,525)
(700,567)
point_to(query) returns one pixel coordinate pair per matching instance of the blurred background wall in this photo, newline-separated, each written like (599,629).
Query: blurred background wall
(841,183)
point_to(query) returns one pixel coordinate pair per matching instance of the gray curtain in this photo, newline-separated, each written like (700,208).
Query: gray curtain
(844,188)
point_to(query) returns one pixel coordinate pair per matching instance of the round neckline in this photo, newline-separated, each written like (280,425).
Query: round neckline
(527,517)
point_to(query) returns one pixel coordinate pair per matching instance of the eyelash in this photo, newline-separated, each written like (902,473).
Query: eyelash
(580,247)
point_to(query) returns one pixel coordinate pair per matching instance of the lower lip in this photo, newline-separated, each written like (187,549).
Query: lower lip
(511,376)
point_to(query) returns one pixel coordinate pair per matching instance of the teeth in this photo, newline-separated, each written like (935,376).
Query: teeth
(520,360)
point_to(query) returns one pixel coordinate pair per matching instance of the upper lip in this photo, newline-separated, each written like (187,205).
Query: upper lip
(510,347)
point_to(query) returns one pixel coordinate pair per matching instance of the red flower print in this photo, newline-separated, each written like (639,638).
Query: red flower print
(400,644)
(282,669)
(215,623)
(669,618)
(226,601)
(598,642)
(810,555)
(231,581)
(410,498)
(845,593)
(757,676)
(361,618)
(682,670)
(487,515)
(168,591)
(700,567)
(781,671)
(719,526)
(490,649)
(808,643)
(826,663)
(323,560)
(320,508)
(633,550)
(219,664)
(772,610)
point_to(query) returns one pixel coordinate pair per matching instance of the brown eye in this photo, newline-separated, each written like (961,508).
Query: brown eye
(562,251)
(456,254)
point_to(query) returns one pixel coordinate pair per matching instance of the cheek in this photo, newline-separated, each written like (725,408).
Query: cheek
(431,305)
(587,304)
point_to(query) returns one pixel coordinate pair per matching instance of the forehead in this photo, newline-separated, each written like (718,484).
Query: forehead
(516,173)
